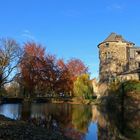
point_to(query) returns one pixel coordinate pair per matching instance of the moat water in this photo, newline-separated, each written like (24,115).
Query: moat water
(80,122)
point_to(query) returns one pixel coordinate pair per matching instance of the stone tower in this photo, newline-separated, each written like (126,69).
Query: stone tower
(113,55)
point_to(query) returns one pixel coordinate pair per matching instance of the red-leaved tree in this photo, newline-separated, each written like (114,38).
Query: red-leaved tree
(31,65)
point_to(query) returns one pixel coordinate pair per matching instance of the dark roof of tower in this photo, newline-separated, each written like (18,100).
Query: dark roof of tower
(113,37)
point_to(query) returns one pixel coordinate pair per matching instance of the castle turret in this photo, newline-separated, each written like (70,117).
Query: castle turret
(113,55)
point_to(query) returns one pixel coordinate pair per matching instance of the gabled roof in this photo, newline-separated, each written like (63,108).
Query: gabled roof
(113,37)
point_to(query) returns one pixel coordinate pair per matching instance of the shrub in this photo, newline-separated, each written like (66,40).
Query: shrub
(132,85)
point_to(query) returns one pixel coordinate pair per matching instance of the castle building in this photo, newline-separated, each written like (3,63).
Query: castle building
(118,59)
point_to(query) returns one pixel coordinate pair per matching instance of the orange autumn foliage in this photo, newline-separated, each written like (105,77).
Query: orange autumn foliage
(43,73)
(31,64)
(76,68)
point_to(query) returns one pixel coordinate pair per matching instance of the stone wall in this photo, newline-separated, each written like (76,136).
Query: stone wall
(134,58)
(129,76)
(118,59)
(113,59)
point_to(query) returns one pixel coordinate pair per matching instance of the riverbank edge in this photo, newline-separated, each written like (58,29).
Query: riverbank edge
(15,129)
(8,100)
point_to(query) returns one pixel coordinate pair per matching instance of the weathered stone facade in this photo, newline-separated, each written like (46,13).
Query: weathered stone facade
(118,58)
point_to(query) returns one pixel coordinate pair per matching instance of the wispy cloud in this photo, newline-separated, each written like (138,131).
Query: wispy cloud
(27,34)
(115,7)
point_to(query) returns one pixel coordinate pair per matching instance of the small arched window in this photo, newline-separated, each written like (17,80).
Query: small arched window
(106,44)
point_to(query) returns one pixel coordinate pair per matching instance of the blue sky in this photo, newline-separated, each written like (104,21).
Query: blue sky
(70,28)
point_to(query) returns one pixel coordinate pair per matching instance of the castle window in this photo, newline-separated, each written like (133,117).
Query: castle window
(108,55)
(107,44)
(138,52)
(138,65)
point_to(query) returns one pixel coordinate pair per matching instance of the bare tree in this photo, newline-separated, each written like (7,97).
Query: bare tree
(10,54)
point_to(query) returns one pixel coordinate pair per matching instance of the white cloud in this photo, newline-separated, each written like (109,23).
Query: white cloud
(27,34)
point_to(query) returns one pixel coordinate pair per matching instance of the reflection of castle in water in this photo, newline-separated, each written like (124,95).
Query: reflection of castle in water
(104,131)
(77,121)
(98,117)
(116,124)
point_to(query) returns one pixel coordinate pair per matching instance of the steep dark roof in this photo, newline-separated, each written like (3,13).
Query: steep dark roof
(113,37)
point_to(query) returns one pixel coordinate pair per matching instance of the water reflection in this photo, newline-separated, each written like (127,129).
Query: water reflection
(117,124)
(92,132)
(80,122)
(81,118)
(11,111)
(75,120)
